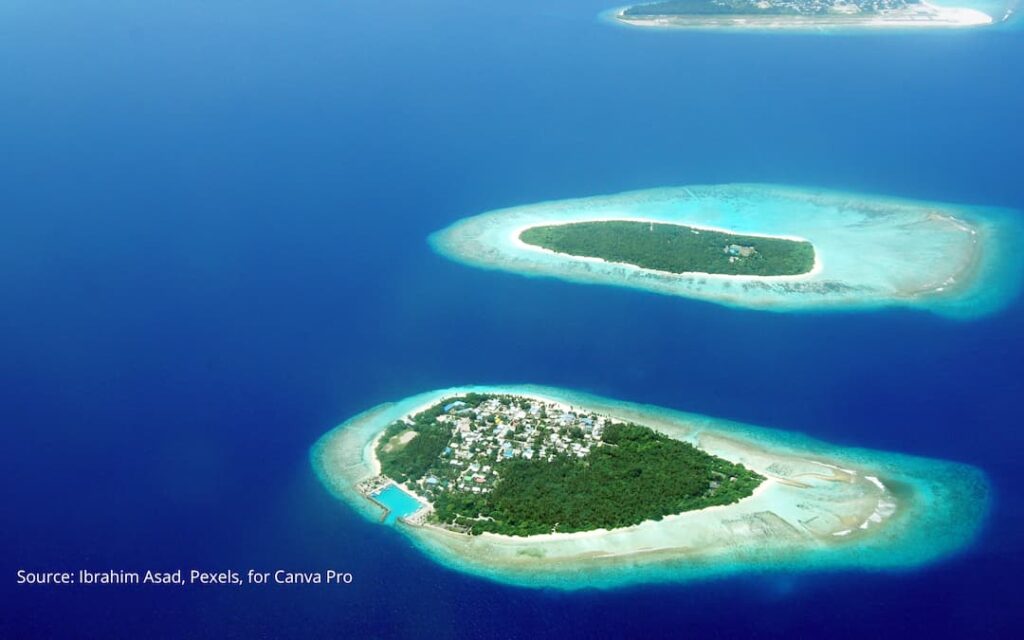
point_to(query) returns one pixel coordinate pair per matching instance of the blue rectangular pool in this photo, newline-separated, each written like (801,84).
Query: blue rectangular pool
(398,503)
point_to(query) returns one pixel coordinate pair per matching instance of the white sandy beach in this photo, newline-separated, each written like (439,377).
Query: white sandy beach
(870,251)
(816,502)
(516,240)
(923,15)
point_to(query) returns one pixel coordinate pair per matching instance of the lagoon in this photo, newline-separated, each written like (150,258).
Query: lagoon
(870,251)
(398,503)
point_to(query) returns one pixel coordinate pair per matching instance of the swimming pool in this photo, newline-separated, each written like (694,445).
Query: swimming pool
(398,503)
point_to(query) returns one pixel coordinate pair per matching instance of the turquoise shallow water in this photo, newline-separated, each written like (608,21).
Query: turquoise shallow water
(398,503)
(871,251)
(943,504)
(212,251)
(1005,15)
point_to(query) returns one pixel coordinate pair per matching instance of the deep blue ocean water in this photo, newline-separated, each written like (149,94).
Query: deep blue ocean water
(212,250)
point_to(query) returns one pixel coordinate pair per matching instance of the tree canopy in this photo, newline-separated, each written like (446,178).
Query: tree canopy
(675,248)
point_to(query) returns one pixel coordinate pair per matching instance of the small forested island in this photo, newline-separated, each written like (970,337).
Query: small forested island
(765,7)
(761,246)
(675,248)
(775,14)
(548,487)
(521,466)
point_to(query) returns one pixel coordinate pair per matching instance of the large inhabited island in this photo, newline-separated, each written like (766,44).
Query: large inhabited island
(760,246)
(814,14)
(522,466)
(547,487)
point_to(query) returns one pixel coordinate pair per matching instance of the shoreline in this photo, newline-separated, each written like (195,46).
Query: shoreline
(870,251)
(596,533)
(516,239)
(929,16)
(370,456)
(821,506)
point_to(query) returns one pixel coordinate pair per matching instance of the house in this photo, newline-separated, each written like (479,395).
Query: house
(738,250)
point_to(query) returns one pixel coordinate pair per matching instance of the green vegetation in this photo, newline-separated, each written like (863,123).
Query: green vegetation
(642,475)
(675,248)
(412,460)
(629,473)
(701,8)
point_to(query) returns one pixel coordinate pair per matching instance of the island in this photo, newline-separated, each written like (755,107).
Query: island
(521,466)
(812,14)
(767,247)
(547,487)
(675,248)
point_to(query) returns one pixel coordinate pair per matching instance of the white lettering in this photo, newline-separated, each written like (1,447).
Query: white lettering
(289,577)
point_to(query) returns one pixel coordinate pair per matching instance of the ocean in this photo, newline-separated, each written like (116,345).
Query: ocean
(213,223)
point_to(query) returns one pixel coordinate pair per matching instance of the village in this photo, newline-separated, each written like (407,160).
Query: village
(501,429)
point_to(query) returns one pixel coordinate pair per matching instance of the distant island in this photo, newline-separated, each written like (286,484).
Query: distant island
(767,247)
(548,487)
(675,248)
(783,14)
